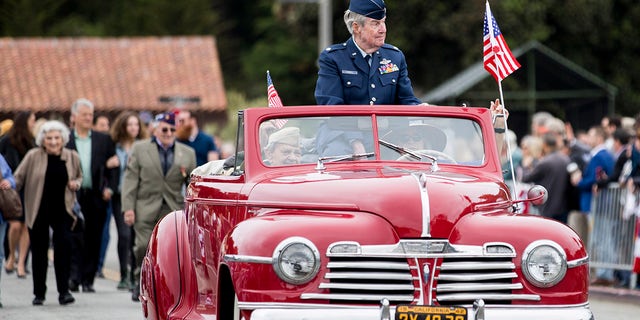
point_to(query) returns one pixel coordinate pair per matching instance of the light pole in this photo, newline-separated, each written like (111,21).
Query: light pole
(324,21)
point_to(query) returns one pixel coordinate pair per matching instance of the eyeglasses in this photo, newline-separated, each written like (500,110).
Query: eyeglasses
(165,129)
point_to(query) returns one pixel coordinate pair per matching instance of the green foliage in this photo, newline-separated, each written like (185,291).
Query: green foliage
(439,38)
(20,18)
(237,101)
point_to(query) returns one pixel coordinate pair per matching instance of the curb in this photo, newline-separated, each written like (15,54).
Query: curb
(625,293)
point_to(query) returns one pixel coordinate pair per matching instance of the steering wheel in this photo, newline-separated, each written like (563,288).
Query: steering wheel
(431,152)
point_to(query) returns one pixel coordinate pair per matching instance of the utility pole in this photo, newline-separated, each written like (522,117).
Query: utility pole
(324,24)
(324,21)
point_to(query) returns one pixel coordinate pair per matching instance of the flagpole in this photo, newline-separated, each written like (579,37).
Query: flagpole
(489,14)
(509,155)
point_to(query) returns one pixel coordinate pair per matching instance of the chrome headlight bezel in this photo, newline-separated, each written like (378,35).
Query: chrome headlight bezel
(531,253)
(297,245)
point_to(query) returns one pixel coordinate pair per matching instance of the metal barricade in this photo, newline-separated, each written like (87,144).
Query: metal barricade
(612,239)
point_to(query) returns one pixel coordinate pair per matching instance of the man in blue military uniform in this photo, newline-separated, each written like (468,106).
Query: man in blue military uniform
(364,70)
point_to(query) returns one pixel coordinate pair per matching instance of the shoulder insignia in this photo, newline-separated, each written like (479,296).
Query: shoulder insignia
(389,46)
(336,47)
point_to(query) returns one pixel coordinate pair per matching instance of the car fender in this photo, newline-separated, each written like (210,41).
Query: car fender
(520,230)
(166,273)
(259,236)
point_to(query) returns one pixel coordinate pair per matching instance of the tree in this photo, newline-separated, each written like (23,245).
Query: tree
(439,38)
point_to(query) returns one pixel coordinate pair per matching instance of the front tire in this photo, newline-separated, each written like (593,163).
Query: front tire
(228,308)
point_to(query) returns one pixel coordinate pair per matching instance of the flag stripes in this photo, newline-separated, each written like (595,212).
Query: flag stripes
(274,101)
(498,59)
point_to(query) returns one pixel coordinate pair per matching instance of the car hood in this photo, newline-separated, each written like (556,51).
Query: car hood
(392,193)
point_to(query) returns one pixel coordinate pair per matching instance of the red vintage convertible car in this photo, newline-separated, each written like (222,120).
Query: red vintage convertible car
(361,212)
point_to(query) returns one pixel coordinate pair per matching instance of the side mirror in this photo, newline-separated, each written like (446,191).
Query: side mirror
(538,195)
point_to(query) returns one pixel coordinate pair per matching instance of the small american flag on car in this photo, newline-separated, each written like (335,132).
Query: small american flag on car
(498,59)
(274,100)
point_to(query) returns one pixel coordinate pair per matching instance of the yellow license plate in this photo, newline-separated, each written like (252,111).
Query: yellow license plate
(430,313)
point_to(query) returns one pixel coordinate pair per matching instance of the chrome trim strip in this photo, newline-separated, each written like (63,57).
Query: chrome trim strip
(489,296)
(357,297)
(371,275)
(488,245)
(456,287)
(300,205)
(492,206)
(362,286)
(282,305)
(369,265)
(420,276)
(578,262)
(445,266)
(369,314)
(424,199)
(277,204)
(477,277)
(420,248)
(247,259)
(431,300)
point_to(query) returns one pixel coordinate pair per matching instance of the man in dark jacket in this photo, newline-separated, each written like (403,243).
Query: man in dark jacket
(551,173)
(99,180)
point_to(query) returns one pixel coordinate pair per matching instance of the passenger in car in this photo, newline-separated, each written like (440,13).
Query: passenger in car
(424,137)
(283,147)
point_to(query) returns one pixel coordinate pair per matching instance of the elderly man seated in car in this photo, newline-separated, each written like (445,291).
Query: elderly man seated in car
(283,147)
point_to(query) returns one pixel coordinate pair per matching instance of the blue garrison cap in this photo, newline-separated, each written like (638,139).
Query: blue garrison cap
(167,117)
(375,9)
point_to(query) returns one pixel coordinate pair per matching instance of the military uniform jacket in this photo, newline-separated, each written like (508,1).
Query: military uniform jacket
(145,187)
(346,78)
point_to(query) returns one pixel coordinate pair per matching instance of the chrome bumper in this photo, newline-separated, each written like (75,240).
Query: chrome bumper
(384,312)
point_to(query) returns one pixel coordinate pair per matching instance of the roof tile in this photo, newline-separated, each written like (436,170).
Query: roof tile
(43,74)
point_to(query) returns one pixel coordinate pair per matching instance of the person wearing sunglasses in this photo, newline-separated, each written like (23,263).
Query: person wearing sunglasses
(421,136)
(157,171)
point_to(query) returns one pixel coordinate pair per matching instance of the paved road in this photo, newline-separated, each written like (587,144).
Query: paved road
(106,303)
(612,303)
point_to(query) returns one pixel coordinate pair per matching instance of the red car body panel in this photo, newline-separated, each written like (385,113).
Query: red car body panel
(190,264)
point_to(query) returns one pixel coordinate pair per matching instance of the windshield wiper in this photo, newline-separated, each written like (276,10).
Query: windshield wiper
(414,154)
(344,157)
(400,149)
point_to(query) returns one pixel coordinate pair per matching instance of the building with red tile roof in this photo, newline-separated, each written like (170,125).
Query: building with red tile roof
(47,75)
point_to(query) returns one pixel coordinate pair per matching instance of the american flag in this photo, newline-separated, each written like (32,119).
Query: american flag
(274,100)
(498,59)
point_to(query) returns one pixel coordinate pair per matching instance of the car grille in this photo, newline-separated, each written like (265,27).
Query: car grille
(404,272)
(463,280)
(367,280)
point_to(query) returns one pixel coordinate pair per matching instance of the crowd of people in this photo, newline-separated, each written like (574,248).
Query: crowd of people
(72,179)
(573,167)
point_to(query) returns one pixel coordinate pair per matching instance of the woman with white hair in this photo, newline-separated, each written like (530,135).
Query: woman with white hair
(50,175)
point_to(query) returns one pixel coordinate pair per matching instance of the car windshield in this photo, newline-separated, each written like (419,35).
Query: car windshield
(351,138)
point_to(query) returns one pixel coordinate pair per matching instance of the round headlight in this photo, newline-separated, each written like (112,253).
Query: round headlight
(296,260)
(544,263)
